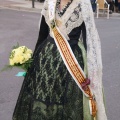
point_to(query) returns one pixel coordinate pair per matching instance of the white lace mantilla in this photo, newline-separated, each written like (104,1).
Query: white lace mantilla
(94,61)
(67,22)
(79,11)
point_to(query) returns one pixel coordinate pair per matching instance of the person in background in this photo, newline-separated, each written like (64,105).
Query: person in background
(111,3)
(93,3)
(118,5)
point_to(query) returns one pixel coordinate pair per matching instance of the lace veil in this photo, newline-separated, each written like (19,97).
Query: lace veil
(94,61)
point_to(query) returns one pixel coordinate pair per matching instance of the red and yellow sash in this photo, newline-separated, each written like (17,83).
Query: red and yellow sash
(70,60)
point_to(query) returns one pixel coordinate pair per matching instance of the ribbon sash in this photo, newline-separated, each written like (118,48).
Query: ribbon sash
(70,60)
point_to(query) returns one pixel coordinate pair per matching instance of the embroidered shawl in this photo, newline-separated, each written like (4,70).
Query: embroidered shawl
(94,62)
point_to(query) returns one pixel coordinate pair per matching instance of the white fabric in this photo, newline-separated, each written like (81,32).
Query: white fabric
(66,25)
(94,62)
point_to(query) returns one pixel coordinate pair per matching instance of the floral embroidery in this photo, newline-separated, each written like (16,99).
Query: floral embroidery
(60,13)
(75,15)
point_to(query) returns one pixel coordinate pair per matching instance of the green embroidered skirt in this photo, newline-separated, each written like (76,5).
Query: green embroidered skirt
(48,91)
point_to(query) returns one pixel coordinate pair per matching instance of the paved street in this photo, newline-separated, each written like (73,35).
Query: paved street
(23,5)
(22,27)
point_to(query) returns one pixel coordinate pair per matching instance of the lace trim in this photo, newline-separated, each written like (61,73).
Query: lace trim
(60,13)
(45,12)
(94,62)
(71,21)
(75,20)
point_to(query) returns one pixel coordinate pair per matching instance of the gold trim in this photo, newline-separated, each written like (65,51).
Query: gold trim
(74,67)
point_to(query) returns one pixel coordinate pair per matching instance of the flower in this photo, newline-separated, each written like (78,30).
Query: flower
(20,55)
(11,62)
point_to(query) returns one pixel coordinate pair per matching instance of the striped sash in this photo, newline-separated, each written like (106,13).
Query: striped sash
(70,61)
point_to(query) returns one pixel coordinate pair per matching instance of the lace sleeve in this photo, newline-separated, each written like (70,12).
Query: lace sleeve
(45,13)
(43,33)
(45,8)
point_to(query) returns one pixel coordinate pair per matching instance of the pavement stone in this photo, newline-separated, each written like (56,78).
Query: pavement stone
(21,5)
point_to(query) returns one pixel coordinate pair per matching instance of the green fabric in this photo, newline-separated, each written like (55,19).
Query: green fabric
(86,109)
(49,92)
(104,99)
(80,44)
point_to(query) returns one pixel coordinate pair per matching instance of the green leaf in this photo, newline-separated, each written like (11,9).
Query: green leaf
(14,47)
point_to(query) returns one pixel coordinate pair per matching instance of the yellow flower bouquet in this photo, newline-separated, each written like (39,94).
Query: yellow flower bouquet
(21,57)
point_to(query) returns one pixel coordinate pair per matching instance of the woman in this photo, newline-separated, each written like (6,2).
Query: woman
(63,82)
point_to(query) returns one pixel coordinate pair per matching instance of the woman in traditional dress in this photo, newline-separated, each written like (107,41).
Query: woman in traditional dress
(64,81)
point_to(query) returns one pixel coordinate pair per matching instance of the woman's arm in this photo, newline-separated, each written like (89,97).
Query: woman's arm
(43,32)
